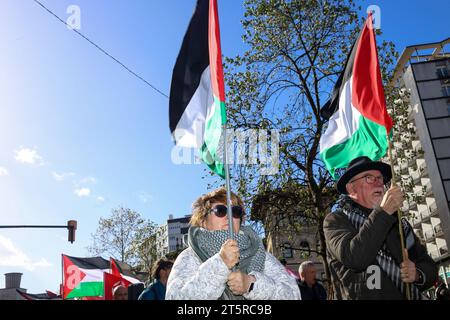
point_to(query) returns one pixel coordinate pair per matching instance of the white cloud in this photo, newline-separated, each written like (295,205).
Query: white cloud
(82,192)
(28,156)
(62,176)
(100,199)
(3,171)
(145,197)
(88,180)
(11,256)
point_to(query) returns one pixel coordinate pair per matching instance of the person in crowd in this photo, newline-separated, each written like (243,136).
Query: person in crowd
(120,292)
(363,240)
(157,289)
(216,267)
(310,288)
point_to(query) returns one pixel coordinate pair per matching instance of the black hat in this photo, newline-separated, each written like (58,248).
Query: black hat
(359,165)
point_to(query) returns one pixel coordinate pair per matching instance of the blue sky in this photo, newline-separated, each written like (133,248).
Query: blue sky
(79,135)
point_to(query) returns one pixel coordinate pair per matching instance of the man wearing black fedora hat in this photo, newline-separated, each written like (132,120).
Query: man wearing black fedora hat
(363,242)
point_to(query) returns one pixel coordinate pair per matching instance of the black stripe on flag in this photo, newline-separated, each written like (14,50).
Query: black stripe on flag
(192,60)
(90,263)
(332,105)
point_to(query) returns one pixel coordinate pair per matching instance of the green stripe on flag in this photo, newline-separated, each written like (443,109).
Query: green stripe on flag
(213,132)
(86,289)
(369,140)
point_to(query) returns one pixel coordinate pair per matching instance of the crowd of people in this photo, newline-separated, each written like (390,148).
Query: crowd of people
(364,251)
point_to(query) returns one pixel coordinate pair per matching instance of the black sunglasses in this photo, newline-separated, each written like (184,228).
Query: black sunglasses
(221,211)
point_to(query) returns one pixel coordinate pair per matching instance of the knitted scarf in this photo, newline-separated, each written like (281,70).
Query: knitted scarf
(252,253)
(384,257)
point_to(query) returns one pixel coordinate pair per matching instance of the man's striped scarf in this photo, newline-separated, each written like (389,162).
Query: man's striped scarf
(384,257)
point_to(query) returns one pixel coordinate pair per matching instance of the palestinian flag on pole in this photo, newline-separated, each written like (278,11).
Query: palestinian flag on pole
(83,277)
(125,271)
(197,96)
(111,281)
(358,119)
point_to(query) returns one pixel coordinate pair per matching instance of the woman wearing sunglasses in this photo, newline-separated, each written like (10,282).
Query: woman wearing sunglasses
(215,267)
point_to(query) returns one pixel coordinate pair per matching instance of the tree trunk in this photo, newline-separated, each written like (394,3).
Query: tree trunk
(323,254)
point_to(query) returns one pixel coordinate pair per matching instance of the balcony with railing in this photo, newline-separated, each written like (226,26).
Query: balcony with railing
(412,129)
(439,252)
(419,233)
(415,219)
(426,183)
(432,207)
(415,175)
(410,113)
(434,254)
(443,250)
(412,204)
(405,136)
(418,191)
(438,230)
(424,214)
(422,167)
(411,161)
(429,235)
(416,145)
(403,166)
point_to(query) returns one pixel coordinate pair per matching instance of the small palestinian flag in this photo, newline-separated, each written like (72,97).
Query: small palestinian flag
(197,96)
(358,119)
(111,281)
(83,277)
(123,270)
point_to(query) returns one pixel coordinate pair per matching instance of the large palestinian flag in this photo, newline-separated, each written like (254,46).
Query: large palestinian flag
(197,95)
(83,277)
(358,119)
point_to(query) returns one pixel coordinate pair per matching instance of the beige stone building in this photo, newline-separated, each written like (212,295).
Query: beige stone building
(296,246)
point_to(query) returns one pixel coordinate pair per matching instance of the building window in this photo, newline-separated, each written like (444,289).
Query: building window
(442,72)
(287,250)
(446,90)
(304,245)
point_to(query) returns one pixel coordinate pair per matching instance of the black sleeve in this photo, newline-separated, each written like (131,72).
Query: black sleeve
(356,250)
(322,293)
(419,255)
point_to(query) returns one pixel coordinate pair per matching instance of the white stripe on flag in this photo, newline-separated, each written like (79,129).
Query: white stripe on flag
(93,275)
(343,123)
(131,279)
(190,128)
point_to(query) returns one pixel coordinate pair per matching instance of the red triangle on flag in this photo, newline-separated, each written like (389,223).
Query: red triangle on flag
(72,276)
(115,270)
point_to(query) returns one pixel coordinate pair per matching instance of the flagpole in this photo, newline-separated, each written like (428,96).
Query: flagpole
(61,289)
(227,183)
(399,214)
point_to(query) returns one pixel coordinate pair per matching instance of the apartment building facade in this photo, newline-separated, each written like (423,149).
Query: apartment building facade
(172,235)
(422,154)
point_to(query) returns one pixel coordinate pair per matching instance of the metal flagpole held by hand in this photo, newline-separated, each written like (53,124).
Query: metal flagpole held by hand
(228,187)
(227,184)
(399,214)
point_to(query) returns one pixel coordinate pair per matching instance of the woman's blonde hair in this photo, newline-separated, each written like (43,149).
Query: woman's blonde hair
(202,206)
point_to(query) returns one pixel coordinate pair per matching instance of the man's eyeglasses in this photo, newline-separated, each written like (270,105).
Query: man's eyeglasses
(370,179)
(221,211)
